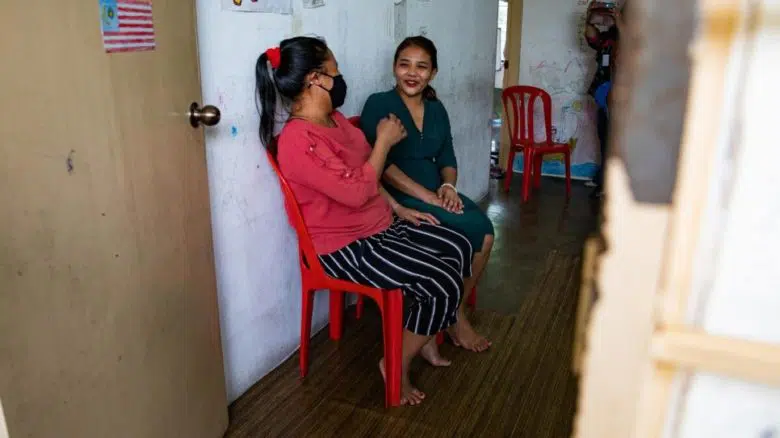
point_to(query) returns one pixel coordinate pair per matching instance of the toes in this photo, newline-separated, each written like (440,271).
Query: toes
(412,396)
(416,397)
(479,346)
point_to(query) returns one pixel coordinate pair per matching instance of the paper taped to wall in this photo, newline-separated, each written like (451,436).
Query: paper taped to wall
(269,6)
(311,4)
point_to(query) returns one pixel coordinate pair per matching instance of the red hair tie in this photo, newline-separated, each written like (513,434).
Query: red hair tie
(274,55)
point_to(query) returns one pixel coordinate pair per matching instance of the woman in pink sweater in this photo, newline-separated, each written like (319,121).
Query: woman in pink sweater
(335,175)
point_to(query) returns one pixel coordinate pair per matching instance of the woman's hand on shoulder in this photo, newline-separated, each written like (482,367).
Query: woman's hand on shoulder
(390,131)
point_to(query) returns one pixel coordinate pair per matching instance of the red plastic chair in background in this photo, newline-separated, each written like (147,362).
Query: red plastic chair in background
(519,102)
(314,278)
(471,302)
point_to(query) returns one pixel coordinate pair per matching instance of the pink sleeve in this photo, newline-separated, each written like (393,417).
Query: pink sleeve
(307,161)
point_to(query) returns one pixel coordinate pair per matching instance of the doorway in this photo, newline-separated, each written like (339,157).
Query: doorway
(496,172)
(509,26)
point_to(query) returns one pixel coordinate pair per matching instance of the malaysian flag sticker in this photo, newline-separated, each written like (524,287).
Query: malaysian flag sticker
(127,25)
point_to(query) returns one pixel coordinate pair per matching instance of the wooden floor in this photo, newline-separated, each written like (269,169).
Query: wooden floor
(522,387)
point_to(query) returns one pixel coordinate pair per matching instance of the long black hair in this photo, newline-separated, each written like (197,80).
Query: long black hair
(299,56)
(430,48)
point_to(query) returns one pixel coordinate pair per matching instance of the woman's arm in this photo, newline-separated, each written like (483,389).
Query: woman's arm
(314,165)
(449,175)
(389,198)
(401,181)
(408,214)
(448,193)
(448,170)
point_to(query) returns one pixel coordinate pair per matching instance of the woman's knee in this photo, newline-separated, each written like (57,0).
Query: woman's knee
(454,299)
(443,298)
(458,244)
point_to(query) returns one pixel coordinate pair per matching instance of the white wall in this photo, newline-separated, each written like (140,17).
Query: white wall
(737,280)
(465,34)
(255,249)
(555,57)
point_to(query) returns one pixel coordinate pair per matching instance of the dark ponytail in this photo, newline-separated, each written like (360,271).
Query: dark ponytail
(427,45)
(266,100)
(298,57)
(429,93)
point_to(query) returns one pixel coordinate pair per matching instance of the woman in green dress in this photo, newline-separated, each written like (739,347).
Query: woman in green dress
(421,171)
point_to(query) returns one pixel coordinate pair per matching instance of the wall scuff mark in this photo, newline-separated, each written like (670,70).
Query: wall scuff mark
(69,162)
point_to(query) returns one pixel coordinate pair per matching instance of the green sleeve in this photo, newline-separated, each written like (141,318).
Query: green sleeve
(446,157)
(370,117)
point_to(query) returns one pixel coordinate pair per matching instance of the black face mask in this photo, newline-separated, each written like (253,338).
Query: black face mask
(338,92)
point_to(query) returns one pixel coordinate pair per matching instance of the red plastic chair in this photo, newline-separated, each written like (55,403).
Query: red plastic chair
(314,278)
(472,300)
(519,101)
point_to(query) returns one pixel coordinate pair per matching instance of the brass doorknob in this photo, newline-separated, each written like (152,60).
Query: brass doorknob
(209,115)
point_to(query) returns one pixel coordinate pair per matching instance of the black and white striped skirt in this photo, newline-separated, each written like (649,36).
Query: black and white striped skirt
(427,262)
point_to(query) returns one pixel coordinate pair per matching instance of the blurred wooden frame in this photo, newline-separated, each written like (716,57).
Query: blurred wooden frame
(636,339)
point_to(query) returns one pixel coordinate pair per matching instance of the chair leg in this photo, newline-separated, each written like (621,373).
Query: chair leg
(567,158)
(336,314)
(538,159)
(306,315)
(439,338)
(392,320)
(472,301)
(359,307)
(528,157)
(509,169)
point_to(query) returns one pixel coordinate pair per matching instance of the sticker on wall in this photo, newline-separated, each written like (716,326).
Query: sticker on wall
(127,25)
(271,6)
(311,4)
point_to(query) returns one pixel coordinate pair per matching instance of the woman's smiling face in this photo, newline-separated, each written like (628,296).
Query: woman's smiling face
(413,70)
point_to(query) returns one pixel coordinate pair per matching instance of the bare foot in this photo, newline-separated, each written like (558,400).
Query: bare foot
(430,352)
(464,335)
(409,394)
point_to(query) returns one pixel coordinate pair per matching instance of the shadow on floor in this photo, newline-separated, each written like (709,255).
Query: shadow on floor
(522,387)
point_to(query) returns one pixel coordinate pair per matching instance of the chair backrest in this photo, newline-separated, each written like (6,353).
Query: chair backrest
(306,253)
(519,104)
(355,120)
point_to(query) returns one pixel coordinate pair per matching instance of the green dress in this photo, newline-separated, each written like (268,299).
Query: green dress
(421,156)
